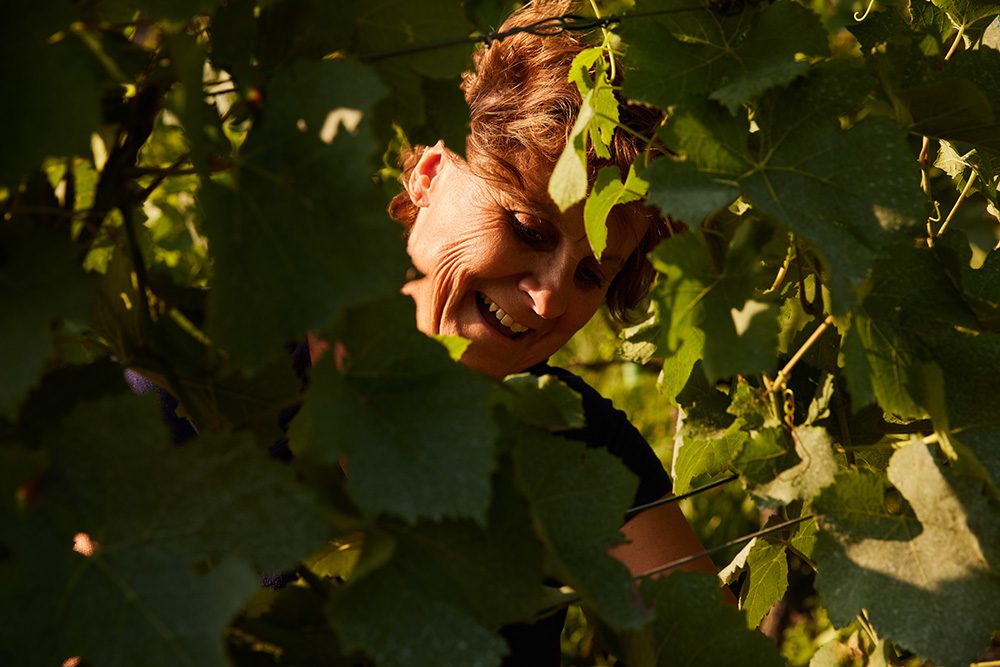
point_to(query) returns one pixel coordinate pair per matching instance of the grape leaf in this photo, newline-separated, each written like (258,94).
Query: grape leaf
(815,470)
(543,401)
(764,456)
(413,424)
(578,497)
(389,25)
(934,562)
(766,582)
(608,192)
(459,579)
(684,193)
(568,183)
(967,11)
(598,90)
(732,59)
(50,93)
(693,627)
(58,603)
(909,291)
(961,102)
(42,282)
(295,203)
(740,333)
(705,453)
(176,547)
(807,173)
(286,31)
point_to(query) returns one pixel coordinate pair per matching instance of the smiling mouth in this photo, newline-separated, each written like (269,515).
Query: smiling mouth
(498,318)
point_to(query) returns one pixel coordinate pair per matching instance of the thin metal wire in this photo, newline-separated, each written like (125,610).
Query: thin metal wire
(673,499)
(573,599)
(546,27)
(722,547)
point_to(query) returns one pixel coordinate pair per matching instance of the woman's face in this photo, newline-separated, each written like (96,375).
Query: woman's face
(501,266)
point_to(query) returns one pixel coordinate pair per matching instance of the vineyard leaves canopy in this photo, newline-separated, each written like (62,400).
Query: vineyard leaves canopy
(187,188)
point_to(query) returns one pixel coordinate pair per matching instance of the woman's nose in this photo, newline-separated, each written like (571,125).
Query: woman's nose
(549,289)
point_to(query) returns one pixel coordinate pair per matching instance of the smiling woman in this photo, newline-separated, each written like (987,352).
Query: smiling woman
(503,267)
(498,263)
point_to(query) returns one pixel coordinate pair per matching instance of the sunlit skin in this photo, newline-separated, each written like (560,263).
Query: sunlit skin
(476,237)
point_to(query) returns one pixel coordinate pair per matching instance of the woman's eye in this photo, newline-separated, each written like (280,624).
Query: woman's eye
(591,276)
(526,232)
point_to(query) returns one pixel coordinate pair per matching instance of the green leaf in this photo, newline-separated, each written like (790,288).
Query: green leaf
(294,203)
(740,332)
(58,602)
(41,281)
(456,345)
(732,59)
(821,182)
(909,292)
(389,25)
(764,456)
(608,192)
(687,194)
(543,401)
(766,582)
(815,470)
(961,102)
(693,628)
(967,12)
(597,92)
(446,585)
(705,452)
(414,425)
(180,535)
(568,183)
(578,497)
(51,98)
(287,31)
(912,570)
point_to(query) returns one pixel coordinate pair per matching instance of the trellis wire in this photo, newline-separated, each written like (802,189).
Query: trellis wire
(573,599)
(553,25)
(632,511)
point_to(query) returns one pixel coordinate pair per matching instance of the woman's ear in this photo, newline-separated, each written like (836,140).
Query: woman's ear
(420,185)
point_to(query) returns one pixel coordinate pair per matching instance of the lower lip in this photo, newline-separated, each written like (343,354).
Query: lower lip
(493,322)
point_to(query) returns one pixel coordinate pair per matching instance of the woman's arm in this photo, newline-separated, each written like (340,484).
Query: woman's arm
(661,535)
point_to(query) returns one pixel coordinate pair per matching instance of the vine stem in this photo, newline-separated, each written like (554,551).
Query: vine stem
(782,272)
(958,202)
(954,44)
(782,377)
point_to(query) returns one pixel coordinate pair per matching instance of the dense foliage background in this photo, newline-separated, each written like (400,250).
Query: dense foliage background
(187,186)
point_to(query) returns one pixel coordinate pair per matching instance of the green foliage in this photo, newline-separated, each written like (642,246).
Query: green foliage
(692,627)
(188,187)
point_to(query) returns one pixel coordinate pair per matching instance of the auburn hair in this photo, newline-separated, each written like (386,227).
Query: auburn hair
(522,107)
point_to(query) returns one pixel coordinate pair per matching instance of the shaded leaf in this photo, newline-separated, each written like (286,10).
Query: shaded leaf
(413,424)
(731,59)
(693,627)
(932,561)
(578,497)
(41,281)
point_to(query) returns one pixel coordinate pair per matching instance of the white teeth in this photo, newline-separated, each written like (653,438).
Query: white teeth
(503,317)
